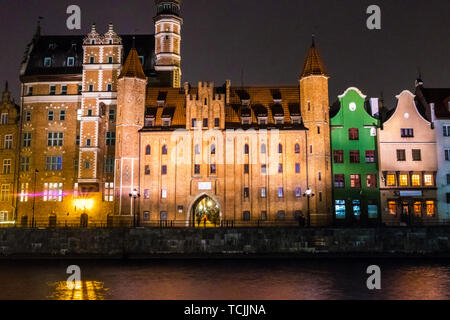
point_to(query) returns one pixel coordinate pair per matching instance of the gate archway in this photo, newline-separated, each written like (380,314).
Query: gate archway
(205,212)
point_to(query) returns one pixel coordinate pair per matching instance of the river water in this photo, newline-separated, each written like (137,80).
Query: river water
(226,279)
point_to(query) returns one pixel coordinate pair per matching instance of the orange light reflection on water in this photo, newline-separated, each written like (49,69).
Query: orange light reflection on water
(82,290)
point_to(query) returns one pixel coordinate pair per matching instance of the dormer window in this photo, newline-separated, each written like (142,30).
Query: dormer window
(166,122)
(70,61)
(149,122)
(246,102)
(245,120)
(295,119)
(279,120)
(47,62)
(262,120)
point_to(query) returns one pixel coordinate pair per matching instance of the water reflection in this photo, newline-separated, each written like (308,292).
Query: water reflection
(81,290)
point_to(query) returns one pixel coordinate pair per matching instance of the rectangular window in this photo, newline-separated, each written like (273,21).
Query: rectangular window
(109,164)
(26,142)
(147,170)
(370,156)
(24,164)
(356,204)
(355,181)
(91,59)
(371,181)
(446,131)
(164,193)
(213,169)
(263,169)
(8,141)
(280,192)
(339,181)
(91,88)
(205,123)
(147,194)
(430,208)
(109,191)
(428,180)
(24,192)
(55,139)
(354,156)
(4,196)
(448,179)
(246,169)
(109,87)
(28,115)
(63,90)
(415,180)
(47,62)
(50,115)
(110,59)
(197,169)
(53,163)
(372,210)
(391,180)
(407,133)
(52,90)
(216,122)
(339,207)
(297,168)
(403,180)
(111,138)
(263,192)
(280,168)
(62,115)
(298,192)
(70,61)
(53,192)
(338,156)
(418,208)
(4,118)
(246,192)
(30,91)
(353,134)
(416,155)
(392,207)
(401,155)
(164,170)
(112,114)
(194,123)
(7,166)
(263,215)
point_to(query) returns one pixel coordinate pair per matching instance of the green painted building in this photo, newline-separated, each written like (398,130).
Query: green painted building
(356,193)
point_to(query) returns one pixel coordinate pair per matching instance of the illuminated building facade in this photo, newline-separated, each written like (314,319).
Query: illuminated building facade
(408,164)
(9,139)
(354,145)
(110,135)
(437,100)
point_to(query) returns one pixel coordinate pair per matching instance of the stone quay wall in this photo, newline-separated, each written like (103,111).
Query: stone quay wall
(233,242)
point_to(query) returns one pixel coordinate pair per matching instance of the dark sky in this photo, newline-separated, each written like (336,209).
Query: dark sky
(266,38)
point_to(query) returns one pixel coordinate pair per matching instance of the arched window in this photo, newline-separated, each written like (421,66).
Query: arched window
(297,148)
(164,149)
(197,149)
(246,149)
(213,149)
(280,148)
(148,150)
(263,148)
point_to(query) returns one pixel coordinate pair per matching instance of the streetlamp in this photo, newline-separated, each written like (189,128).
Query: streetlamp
(308,193)
(36,171)
(134,195)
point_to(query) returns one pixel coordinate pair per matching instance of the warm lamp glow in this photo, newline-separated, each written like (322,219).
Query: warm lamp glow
(86,204)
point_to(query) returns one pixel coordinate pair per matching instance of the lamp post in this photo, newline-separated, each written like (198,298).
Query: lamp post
(308,194)
(134,195)
(34,198)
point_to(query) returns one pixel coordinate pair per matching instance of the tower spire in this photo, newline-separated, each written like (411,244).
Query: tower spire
(314,65)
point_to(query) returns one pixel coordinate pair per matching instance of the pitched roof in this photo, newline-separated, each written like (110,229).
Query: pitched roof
(313,63)
(133,67)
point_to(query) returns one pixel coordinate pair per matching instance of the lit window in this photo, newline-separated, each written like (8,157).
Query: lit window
(147,194)
(24,192)
(297,168)
(25,164)
(7,166)
(403,180)
(418,208)
(298,192)
(430,208)
(53,163)
(4,196)
(70,61)
(371,181)
(53,192)
(263,149)
(339,181)
(109,191)
(280,192)
(4,119)
(372,211)
(428,180)
(392,207)
(339,206)
(8,141)
(47,62)
(353,134)
(356,208)
(391,180)
(164,193)
(415,180)
(355,181)
(263,192)
(370,156)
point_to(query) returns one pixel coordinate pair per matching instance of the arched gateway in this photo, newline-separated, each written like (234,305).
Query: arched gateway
(205,212)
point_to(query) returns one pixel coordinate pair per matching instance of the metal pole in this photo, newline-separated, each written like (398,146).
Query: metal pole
(309,212)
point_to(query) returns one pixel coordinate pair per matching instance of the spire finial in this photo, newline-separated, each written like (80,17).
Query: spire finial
(93,29)
(111,26)
(134,42)
(313,40)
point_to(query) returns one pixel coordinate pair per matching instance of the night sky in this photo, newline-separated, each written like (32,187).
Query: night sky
(268,39)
